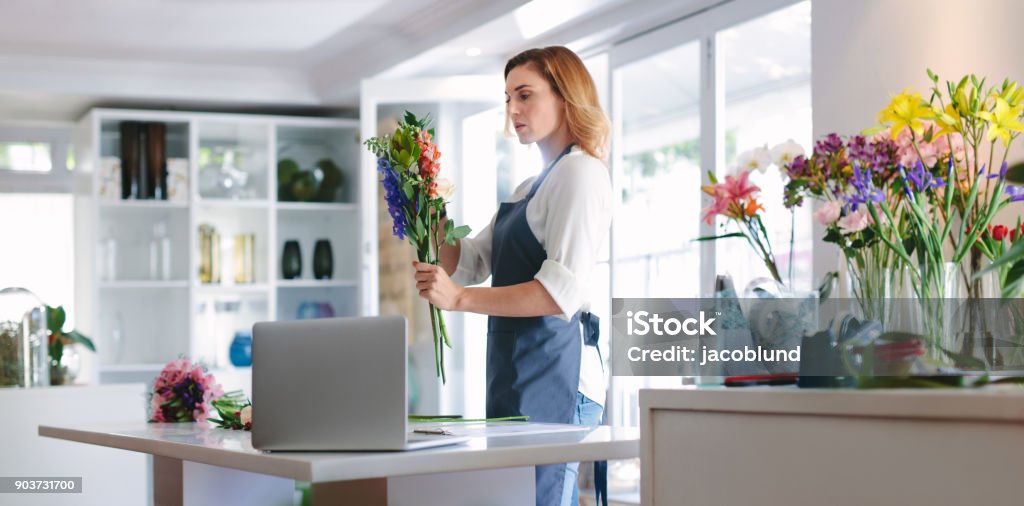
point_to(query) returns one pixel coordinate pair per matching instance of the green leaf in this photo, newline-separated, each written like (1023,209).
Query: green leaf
(1013,285)
(461,231)
(965,361)
(55,318)
(825,288)
(717,237)
(407,189)
(873,130)
(932,76)
(78,337)
(1013,255)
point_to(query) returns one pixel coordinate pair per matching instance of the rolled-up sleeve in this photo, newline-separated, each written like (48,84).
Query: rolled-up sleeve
(475,258)
(577,200)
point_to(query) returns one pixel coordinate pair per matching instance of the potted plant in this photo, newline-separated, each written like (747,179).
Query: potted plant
(61,346)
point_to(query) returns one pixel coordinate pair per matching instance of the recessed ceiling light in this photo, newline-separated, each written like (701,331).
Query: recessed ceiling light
(473,51)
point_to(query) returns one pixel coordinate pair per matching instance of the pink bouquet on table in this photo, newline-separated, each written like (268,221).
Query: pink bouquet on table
(183,392)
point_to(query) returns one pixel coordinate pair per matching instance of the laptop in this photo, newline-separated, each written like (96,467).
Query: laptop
(333,384)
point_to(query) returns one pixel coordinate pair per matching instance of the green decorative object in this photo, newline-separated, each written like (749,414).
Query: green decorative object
(332,180)
(316,184)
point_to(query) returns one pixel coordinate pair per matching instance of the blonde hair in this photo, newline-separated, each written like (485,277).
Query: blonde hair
(569,78)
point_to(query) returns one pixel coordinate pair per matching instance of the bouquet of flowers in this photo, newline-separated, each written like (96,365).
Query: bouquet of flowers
(234,410)
(949,200)
(182,393)
(846,176)
(407,161)
(736,199)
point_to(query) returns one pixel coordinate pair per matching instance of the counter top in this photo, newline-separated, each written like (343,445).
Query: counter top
(1003,403)
(491,446)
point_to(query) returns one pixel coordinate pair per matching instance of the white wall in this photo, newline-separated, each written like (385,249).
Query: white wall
(862,51)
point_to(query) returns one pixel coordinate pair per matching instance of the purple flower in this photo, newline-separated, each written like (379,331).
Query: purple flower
(1016,193)
(922,179)
(864,189)
(1001,175)
(797,168)
(830,145)
(878,154)
(394,196)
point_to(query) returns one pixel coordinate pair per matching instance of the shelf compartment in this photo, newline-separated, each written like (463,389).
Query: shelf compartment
(218,316)
(343,301)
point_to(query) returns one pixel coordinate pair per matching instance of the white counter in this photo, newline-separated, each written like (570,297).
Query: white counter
(785,446)
(512,448)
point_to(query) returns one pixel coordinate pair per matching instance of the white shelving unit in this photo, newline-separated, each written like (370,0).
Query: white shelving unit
(140,322)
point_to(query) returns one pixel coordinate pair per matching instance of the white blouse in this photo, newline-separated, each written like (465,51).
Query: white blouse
(570,215)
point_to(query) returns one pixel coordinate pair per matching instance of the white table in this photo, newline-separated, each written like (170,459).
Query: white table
(195,464)
(781,446)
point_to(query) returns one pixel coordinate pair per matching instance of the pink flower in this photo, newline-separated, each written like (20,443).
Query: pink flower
(718,206)
(738,188)
(828,213)
(854,222)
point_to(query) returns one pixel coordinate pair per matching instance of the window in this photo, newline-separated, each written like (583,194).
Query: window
(688,99)
(36,213)
(767,71)
(25,156)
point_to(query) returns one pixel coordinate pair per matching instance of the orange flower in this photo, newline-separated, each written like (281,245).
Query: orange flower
(752,207)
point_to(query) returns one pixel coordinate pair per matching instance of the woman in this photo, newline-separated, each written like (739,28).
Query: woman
(540,250)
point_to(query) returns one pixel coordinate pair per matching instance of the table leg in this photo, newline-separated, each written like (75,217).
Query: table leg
(371,492)
(167,481)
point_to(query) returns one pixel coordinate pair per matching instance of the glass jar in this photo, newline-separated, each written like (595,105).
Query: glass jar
(24,357)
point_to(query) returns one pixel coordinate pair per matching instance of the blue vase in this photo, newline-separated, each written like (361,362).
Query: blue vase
(241,349)
(308,310)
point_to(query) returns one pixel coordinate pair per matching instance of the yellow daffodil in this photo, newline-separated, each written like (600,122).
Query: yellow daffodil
(905,110)
(1003,120)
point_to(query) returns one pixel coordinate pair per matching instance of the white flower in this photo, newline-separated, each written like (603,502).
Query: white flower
(246,415)
(443,188)
(828,213)
(755,159)
(784,153)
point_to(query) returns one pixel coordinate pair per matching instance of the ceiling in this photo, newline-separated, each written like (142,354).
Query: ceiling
(61,57)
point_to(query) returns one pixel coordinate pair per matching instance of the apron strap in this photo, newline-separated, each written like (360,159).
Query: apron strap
(591,328)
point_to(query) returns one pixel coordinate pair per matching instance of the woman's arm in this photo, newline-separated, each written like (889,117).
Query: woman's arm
(524,299)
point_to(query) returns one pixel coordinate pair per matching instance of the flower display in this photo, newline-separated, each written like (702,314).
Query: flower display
(182,393)
(234,411)
(408,163)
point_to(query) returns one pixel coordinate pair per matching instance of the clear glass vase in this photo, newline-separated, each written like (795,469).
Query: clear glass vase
(869,274)
(24,349)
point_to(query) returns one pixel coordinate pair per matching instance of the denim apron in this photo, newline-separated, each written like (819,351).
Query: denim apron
(533,363)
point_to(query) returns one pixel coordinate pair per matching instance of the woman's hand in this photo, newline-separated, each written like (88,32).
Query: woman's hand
(434,285)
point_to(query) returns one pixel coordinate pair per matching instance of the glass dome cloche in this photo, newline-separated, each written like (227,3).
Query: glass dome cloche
(24,358)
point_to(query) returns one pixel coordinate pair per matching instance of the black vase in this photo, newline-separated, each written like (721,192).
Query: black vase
(323,260)
(291,260)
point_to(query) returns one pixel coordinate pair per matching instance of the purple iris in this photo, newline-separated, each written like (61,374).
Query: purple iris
(864,189)
(1016,193)
(394,196)
(1001,175)
(922,179)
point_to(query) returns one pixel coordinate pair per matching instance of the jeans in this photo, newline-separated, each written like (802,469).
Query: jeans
(588,412)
